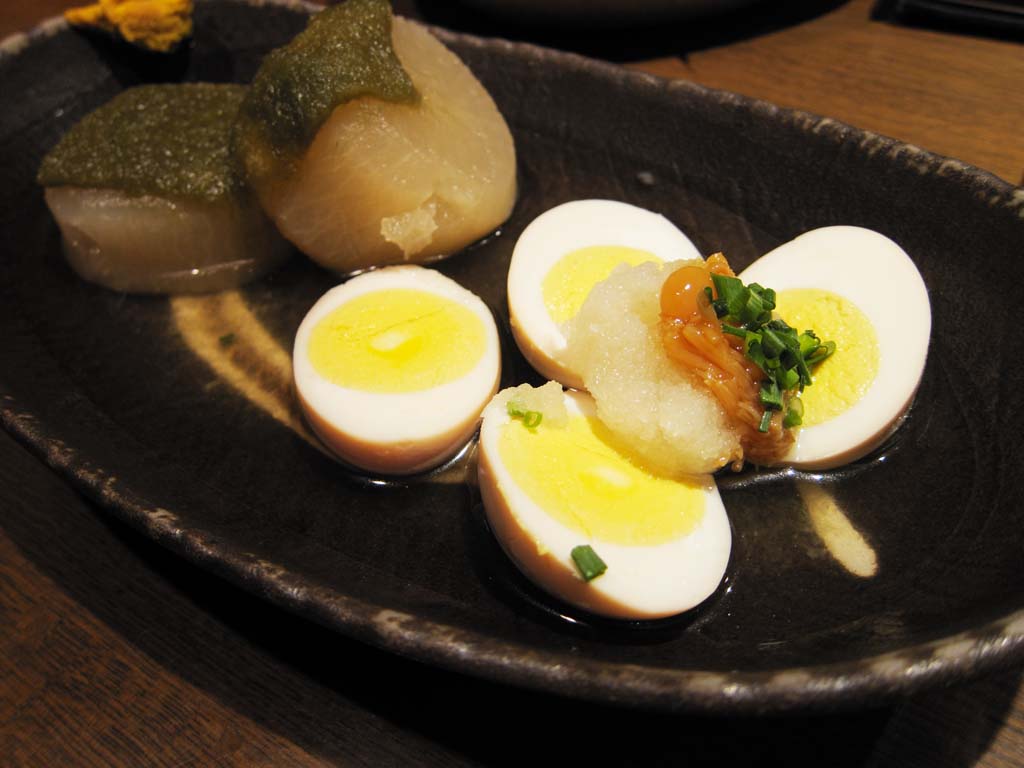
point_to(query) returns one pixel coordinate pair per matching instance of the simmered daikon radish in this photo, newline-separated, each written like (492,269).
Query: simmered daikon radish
(364,159)
(148,198)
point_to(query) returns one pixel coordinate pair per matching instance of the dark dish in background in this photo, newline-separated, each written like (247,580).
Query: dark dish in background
(131,404)
(1003,20)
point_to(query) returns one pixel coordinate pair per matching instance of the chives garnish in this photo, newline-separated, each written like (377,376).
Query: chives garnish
(530,419)
(786,357)
(227,339)
(795,414)
(587,562)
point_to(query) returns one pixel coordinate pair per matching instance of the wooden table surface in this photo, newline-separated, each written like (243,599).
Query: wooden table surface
(113,652)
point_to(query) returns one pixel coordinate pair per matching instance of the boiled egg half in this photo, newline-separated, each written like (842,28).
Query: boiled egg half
(859,289)
(558,482)
(393,368)
(562,254)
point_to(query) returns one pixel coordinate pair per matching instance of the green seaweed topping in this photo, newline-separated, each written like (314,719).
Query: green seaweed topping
(343,54)
(162,140)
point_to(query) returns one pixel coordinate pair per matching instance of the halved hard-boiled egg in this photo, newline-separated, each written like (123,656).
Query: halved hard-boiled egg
(859,289)
(560,496)
(393,368)
(562,254)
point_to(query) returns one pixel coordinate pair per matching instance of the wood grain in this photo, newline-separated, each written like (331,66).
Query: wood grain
(955,95)
(115,653)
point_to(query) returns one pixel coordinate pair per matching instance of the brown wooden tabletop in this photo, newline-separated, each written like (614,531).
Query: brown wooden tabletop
(114,652)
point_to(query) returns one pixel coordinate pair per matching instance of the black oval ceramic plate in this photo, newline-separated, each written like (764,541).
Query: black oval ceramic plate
(176,414)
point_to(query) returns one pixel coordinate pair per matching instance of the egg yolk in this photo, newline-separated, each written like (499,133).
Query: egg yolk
(572,472)
(568,283)
(843,379)
(396,340)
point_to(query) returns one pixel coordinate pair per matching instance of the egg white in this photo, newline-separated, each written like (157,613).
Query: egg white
(641,582)
(396,433)
(557,232)
(874,273)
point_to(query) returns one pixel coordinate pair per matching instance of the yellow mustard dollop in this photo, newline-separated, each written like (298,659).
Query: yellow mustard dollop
(157,25)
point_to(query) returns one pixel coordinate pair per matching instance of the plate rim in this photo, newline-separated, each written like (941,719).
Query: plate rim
(818,687)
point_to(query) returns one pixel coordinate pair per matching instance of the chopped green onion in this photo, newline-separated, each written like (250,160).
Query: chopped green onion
(794,413)
(772,343)
(227,339)
(755,353)
(530,419)
(771,395)
(587,562)
(757,304)
(748,306)
(785,357)
(730,291)
(821,354)
(788,379)
(809,342)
